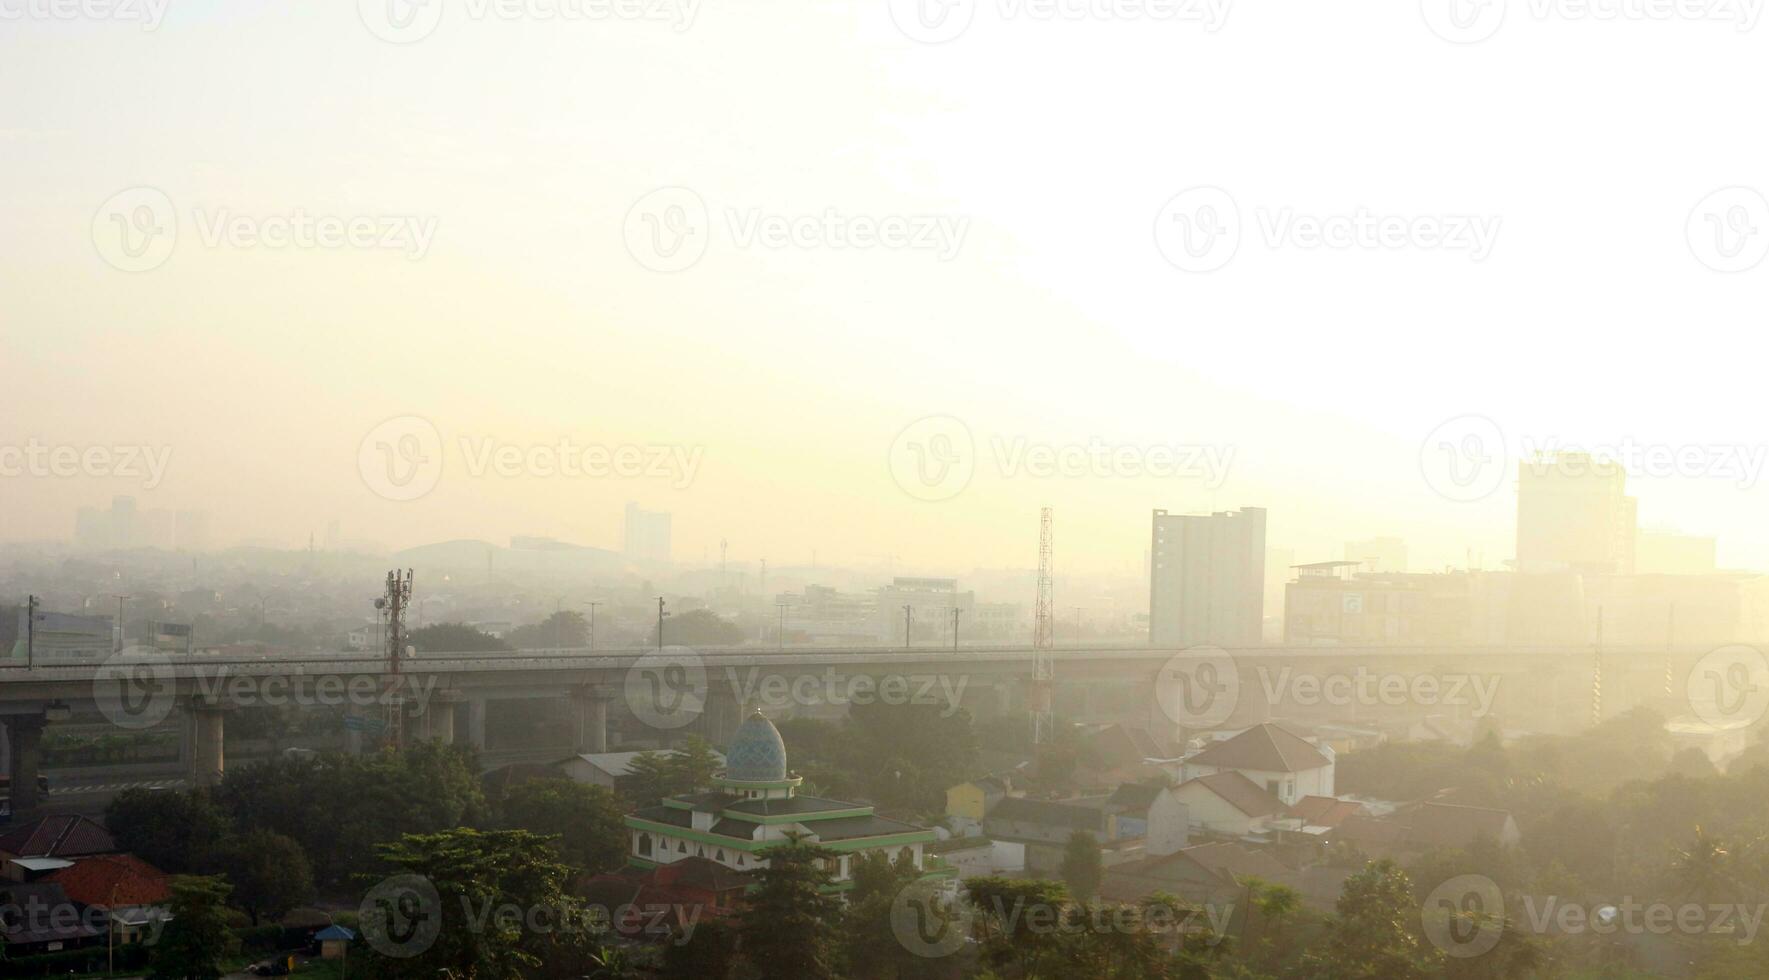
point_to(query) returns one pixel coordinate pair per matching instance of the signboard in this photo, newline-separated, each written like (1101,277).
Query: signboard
(1353,602)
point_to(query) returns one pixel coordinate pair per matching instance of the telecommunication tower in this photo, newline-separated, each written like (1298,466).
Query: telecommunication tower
(1043,634)
(394,603)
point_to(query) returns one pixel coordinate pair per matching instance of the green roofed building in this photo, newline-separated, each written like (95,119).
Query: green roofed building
(754,803)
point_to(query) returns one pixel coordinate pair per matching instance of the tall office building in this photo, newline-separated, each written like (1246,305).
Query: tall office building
(648,534)
(1207,578)
(1574,515)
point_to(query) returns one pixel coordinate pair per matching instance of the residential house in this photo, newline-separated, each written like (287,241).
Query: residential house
(1212,874)
(66,835)
(968,802)
(1228,803)
(1284,763)
(1427,826)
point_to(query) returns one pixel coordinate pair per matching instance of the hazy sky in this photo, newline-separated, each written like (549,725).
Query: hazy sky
(1037,157)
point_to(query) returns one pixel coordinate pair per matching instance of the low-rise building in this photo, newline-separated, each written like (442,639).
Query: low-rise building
(1283,763)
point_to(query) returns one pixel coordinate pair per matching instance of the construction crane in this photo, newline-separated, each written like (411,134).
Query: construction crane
(1043,635)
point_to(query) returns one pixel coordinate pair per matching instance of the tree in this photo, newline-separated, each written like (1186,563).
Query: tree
(870,945)
(706,954)
(651,776)
(174,831)
(586,821)
(1016,918)
(454,638)
(1368,936)
(196,936)
(269,873)
(788,920)
(699,628)
(566,628)
(1082,869)
(475,875)
(338,807)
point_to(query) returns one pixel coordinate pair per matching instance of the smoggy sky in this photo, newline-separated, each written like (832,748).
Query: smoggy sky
(1524,226)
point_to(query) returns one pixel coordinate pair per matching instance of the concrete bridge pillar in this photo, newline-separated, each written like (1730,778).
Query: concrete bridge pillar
(589,708)
(476,722)
(25,735)
(207,735)
(439,717)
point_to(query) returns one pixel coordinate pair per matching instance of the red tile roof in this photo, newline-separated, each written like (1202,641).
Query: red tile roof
(1324,811)
(61,835)
(1266,748)
(113,880)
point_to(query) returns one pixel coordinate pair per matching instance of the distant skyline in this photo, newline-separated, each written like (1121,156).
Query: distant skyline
(567,271)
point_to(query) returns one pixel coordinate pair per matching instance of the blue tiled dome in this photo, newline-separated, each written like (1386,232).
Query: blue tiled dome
(756,754)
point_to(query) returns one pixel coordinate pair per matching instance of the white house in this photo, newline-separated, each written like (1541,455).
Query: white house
(1283,763)
(604,768)
(1227,803)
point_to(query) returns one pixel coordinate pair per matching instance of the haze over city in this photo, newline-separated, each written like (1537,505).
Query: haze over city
(934,489)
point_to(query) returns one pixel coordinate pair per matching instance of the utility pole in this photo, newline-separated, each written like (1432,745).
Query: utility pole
(592,606)
(956,612)
(660,615)
(780,636)
(120,600)
(30,631)
(908,623)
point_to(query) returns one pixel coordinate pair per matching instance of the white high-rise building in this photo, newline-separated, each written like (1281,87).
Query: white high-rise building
(1207,578)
